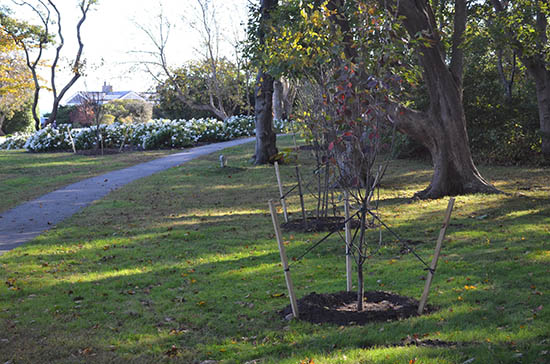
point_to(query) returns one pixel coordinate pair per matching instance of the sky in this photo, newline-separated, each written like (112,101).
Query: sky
(114,44)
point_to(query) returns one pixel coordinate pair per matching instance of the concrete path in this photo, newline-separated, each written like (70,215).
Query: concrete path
(31,219)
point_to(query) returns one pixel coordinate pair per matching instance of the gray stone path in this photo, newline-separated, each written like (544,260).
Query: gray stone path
(32,218)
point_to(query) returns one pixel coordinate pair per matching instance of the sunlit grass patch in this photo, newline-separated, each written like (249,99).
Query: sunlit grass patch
(25,176)
(183,267)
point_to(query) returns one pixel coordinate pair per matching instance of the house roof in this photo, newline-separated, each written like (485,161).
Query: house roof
(103,97)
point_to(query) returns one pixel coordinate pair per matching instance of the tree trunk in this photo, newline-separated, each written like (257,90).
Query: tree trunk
(2,118)
(442,129)
(543,99)
(266,138)
(278,100)
(534,61)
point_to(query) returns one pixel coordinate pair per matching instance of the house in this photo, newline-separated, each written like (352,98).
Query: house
(104,96)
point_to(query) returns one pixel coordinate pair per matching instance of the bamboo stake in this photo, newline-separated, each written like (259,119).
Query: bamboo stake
(301,195)
(284,259)
(72,141)
(435,258)
(348,244)
(282,195)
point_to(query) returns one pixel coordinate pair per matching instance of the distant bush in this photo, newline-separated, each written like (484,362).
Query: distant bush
(21,122)
(128,111)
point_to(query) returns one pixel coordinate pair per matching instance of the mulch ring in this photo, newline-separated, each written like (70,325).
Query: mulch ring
(341,308)
(329,223)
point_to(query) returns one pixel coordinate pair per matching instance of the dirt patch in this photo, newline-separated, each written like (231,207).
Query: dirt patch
(340,308)
(329,223)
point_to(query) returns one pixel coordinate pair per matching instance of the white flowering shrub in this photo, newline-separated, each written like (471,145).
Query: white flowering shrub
(50,139)
(155,134)
(14,141)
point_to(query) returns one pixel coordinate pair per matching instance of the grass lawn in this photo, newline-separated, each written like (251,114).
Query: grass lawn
(25,176)
(182,267)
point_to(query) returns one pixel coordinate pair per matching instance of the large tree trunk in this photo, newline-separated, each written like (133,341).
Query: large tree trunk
(442,129)
(541,75)
(543,100)
(265,136)
(278,100)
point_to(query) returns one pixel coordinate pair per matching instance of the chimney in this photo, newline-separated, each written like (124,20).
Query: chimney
(107,88)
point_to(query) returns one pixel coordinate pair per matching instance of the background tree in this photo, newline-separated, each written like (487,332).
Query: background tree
(266,139)
(192,80)
(222,94)
(129,111)
(34,39)
(15,86)
(524,25)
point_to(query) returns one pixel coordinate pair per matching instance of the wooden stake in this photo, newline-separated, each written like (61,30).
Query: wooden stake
(284,259)
(283,200)
(72,141)
(348,244)
(436,255)
(301,195)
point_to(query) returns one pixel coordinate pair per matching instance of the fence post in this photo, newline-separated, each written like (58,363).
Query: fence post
(284,260)
(435,258)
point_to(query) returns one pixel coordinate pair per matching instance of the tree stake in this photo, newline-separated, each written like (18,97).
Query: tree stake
(283,200)
(435,258)
(284,259)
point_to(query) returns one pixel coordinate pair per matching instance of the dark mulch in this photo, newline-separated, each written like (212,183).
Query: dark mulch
(341,308)
(329,223)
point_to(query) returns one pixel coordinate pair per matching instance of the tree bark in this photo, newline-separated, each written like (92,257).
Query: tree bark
(542,82)
(442,129)
(266,138)
(278,103)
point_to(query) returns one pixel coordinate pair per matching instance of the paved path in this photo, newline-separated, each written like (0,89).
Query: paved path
(31,219)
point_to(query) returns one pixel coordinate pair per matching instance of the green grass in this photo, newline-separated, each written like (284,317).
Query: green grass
(183,267)
(25,176)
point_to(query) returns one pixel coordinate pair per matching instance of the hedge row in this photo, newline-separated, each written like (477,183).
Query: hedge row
(155,134)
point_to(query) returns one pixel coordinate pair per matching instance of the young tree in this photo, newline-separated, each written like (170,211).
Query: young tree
(410,34)
(525,26)
(33,40)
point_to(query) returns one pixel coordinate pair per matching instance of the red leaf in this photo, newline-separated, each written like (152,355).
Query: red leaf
(331,146)
(348,133)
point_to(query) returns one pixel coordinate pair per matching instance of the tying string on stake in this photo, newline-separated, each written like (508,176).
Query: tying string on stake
(342,225)
(288,192)
(428,268)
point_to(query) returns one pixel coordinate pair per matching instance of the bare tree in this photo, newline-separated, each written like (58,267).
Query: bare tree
(207,27)
(48,14)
